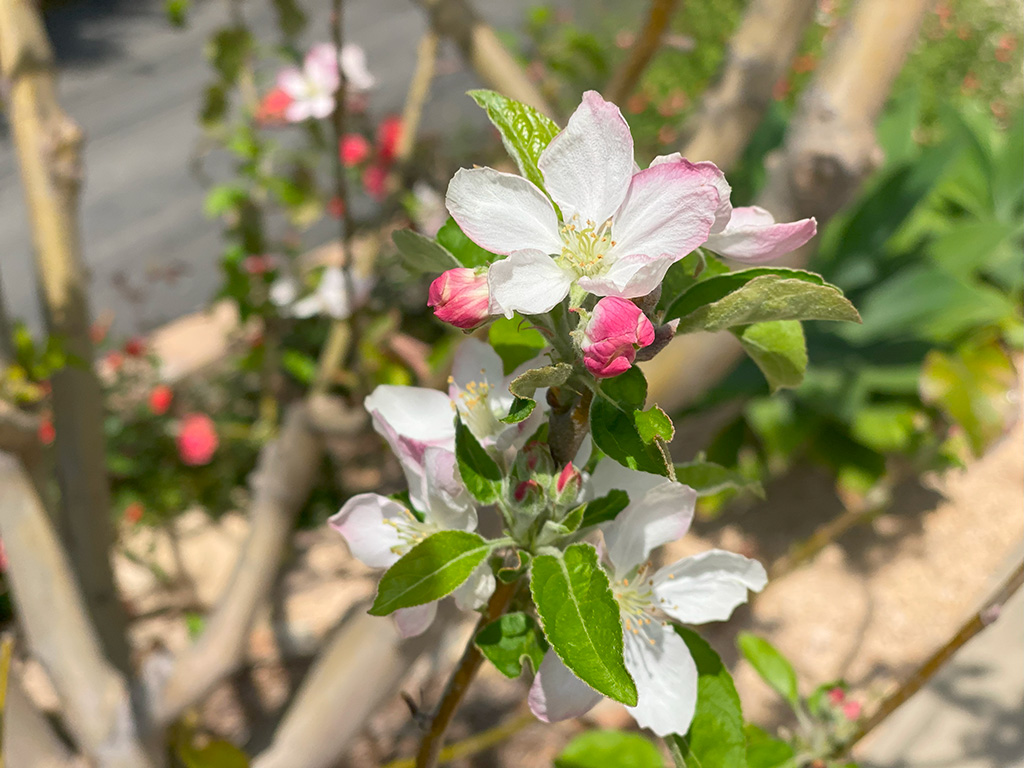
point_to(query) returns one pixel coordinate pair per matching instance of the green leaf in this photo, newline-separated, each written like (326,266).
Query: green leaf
(478,470)
(764,751)
(715,738)
(718,287)
(432,569)
(527,383)
(779,350)
(515,341)
(609,749)
(520,410)
(708,478)
(770,298)
(177,12)
(510,640)
(771,665)
(421,255)
(613,423)
(465,251)
(525,132)
(970,385)
(653,423)
(581,619)
(291,19)
(300,365)
(605,508)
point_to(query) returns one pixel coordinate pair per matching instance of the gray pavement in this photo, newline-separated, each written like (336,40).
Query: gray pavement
(134,84)
(970,715)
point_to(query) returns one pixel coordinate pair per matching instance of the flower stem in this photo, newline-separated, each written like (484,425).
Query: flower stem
(676,752)
(458,684)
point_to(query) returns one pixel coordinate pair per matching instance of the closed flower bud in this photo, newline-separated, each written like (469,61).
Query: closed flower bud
(461,298)
(569,481)
(197,439)
(616,329)
(160,398)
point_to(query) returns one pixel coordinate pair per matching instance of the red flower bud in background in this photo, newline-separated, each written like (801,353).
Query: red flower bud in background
(616,329)
(133,513)
(336,207)
(461,298)
(197,439)
(258,264)
(375,181)
(160,399)
(353,149)
(114,361)
(836,696)
(851,710)
(47,434)
(388,134)
(135,347)
(271,110)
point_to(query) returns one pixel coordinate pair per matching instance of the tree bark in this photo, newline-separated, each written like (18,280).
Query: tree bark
(93,693)
(760,53)
(485,53)
(48,145)
(830,150)
(624,81)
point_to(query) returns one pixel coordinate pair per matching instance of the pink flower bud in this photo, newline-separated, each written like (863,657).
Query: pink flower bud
(272,108)
(569,476)
(836,696)
(160,398)
(851,710)
(524,489)
(354,149)
(197,439)
(460,297)
(617,328)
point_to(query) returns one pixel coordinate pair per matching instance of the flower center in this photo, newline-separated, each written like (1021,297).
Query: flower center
(410,531)
(635,597)
(474,405)
(585,247)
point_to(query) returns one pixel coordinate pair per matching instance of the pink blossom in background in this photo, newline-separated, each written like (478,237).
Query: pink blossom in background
(353,149)
(616,329)
(836,696)
(114,361)
(197,439)
(160,399)
(851,710)
(258,264)
(460,297)
(335,207)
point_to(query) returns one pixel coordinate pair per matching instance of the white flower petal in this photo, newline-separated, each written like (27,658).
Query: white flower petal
(753,237)
(320,106)
(417,413)
(708,586)
(298,110)
(415,621)
(529,282)
(712,175)
(447,502)
(628,278)
(475,361)
(283,291)
(666,679)
(292,81)
(502,212)
(362,522)
(667,213)
(477,589)
(587,166)
(658,515)
(557,694)
(353,65)
(321,68)
(307,307)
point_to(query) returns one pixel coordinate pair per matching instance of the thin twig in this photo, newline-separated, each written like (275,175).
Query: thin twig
(624,80)
(476,743)
(458,684)
(983,618)
(419,90)
(824,535)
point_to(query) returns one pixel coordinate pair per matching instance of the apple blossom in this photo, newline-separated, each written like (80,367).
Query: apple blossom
(160,398)
(694,590)
(460,297)
(616,329)
(748,235)
(621,228)
(312,88)
(331,296)
(353,149)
